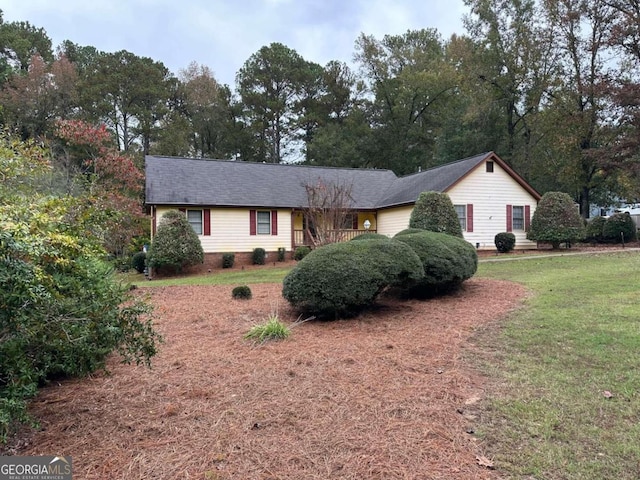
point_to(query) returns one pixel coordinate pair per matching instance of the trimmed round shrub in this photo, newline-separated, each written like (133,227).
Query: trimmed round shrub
(369,236)
(341,279)
(435,212)
(139,261)
(447,262)
(259,254)
(242,292)
(617,226)
(505,241)
(408,231)
(301,252)
(228,259)
(556,220)
(594,229)
(175,245)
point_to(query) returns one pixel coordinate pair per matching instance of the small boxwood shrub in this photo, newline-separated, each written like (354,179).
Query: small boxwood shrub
(341,279)
(617,226)
(594,230)
(139,261)
(228,259)
(301,252)
(447,262)
(505,241)
(282,254)
(259,255)
(242,292)
(369,236)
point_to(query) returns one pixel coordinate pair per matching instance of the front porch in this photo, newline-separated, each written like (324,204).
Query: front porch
(303,238)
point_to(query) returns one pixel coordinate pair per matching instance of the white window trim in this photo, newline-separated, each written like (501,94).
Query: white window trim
(267,214)
(201,223)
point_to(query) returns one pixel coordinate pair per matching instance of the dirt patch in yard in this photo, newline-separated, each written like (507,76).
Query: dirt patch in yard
(381,396)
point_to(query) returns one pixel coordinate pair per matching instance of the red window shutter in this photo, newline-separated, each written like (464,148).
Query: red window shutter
(509,218)
(252,222)
(527,217)
(355,221)
(207,221)
(469,217)
(274,222)
(154,220)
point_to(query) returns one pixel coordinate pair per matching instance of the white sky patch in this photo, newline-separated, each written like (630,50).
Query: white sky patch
(223,34)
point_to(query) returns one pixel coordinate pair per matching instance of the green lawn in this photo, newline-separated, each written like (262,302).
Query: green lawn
(546,415)
(577,337)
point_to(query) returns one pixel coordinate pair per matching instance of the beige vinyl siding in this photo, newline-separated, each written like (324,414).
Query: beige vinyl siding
(392,220)
(490,193)
(230,231)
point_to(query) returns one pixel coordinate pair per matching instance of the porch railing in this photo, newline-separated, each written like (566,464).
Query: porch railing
(301,237)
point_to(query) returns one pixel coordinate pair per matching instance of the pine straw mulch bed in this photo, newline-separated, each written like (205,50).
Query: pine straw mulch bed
(381,396)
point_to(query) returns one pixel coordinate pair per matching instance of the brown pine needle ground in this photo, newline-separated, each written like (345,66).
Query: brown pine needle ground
(375,397)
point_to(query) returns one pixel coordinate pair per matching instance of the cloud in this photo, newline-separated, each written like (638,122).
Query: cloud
(223,34)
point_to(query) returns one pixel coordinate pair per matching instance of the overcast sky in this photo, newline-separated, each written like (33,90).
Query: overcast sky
(223,34)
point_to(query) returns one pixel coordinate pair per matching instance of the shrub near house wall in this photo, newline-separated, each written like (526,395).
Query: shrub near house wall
(447,262)
(176,245)
(435,212)
(339,280)
(619,227)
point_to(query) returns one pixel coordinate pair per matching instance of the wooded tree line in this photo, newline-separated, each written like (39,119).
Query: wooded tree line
(552,86)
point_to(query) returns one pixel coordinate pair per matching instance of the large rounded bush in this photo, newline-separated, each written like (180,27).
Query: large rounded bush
(370,236)
(556,220)
(341,279)
(407,231)
(435,212)
(447,262)
(617,226)
(175,245)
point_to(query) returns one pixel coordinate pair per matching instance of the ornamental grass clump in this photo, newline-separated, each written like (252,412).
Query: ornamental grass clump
(272,329)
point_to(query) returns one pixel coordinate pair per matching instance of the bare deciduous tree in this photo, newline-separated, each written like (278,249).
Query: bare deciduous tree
(329,211)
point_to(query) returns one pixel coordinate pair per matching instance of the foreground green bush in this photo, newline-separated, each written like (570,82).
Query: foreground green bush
(447,261)
(341,279)
(619,227)
(62,311)
(407,231)
(370,236)
(175,245)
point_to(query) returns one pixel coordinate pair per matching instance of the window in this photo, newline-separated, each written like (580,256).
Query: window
(461,210)
(518,218)
(195,220)
(264,223)
(489,167)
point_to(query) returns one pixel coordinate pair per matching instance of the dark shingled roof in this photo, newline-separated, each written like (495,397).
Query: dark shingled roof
(188,181)
(438,179)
